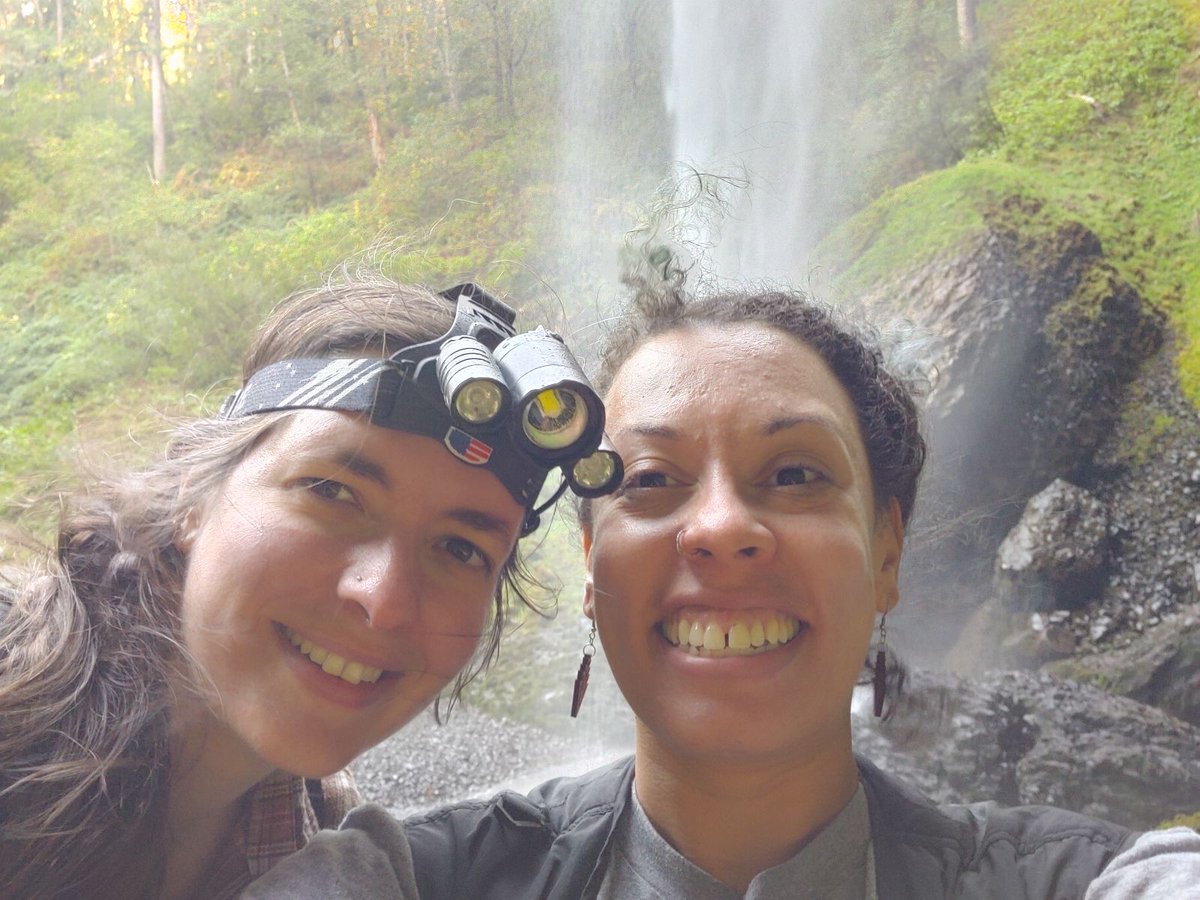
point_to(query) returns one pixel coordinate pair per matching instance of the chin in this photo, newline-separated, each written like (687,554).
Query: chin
(309,761)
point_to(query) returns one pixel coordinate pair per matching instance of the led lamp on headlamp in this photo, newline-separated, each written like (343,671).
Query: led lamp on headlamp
(560,415)
(597,474)
(471,382)
(517,405)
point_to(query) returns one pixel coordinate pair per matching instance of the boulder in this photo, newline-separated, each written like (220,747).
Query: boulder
(1024,737)
(1056,556)
(1160,667)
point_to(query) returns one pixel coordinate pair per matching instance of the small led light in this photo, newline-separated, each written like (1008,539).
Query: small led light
(594,471)
(554,419)
(596,474)
(478,402)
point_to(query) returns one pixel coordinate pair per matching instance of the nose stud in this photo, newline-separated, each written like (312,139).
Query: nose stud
(694,553)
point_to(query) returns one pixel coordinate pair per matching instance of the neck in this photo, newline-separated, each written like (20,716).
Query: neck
(211,772)
(735,818)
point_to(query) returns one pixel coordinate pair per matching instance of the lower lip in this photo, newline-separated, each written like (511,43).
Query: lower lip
(753,665)
(329,687)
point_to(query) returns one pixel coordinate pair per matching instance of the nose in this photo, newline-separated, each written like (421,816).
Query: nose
(723,525)
(382,582)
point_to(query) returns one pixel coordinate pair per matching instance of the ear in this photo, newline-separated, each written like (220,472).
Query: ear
(589,596)
(889,546)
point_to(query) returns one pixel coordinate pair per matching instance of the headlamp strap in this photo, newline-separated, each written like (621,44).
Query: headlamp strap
(350,384)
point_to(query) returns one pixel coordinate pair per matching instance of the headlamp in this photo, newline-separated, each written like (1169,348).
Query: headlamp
(517,405)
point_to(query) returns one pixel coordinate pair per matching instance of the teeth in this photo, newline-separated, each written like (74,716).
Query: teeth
(739,637)
(332,664)
(714,637)
(757,636)
(744,636)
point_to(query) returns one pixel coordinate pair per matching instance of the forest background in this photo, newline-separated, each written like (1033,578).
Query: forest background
(169,169)
(141,240)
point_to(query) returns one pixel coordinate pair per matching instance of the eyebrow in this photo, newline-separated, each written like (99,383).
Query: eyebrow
(782,424)
(481,521)
(773,427)
(360,465)
(474,518)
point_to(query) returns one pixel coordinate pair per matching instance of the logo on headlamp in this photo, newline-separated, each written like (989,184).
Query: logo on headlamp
(468,449)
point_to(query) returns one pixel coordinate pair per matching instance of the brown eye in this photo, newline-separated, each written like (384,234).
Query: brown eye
(790,475)
(638,480)
(467,553)
(328,489)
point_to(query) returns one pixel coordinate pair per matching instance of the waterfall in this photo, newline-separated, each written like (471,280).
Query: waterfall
(743,88)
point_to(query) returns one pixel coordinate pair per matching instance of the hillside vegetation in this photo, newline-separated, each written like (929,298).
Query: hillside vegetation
(299,132)
(1097,108)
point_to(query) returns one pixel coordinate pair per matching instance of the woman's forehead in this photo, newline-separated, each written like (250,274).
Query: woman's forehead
(750,366)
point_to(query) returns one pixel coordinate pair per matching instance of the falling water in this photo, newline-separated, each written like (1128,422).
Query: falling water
(744,88)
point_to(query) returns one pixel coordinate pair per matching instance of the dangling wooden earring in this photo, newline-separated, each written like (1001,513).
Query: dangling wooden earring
(585,668)
(879,680)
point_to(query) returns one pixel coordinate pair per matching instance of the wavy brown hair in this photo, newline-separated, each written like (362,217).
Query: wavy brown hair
(89,640)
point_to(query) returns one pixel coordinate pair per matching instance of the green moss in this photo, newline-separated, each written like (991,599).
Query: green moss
(1070,64)
(920,221)
(1128,168)
(1145,438)
(1188,821)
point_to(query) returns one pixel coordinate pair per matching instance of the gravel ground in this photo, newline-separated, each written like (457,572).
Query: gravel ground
(472,755)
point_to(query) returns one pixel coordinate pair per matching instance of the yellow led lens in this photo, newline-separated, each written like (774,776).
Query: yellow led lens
(554,419)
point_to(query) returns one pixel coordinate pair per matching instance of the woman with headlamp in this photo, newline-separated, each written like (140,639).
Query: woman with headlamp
(217,636)
(736,579)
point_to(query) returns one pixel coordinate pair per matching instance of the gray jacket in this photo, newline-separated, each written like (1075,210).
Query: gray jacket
(551,845)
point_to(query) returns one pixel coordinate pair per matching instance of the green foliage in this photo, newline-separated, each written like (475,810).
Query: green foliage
(899,99)
(1072,63)
(1186,821)
(1127,168)
(917,222)
(112,287)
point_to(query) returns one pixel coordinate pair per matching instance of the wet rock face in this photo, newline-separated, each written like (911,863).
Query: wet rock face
(1056,556)
(1022,737)
(1036,339)
(1160,667)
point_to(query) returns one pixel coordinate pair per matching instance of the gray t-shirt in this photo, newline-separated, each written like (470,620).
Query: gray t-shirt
(1161,865)
(837,864)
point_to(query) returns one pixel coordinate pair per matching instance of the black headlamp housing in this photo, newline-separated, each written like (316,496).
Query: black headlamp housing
(515,405)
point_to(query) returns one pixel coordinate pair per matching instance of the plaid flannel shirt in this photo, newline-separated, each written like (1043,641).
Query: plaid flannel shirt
(280,814)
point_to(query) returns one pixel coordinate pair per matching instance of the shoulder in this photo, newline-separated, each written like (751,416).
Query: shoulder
(978,846)
(513,841)
(552,807)
(1161,865)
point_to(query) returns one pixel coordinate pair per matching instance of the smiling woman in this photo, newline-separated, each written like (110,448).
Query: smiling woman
(217,636)
(735,579)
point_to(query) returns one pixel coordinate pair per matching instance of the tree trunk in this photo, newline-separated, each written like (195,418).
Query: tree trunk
(58,42)
(158,93)
(966,25)
(287,81)
(377,151)
(447,53)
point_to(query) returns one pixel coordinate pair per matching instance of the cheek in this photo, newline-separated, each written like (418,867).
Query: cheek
(454,633)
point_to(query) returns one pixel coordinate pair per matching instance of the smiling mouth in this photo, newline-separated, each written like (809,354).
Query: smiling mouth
(743,636)
(332,664)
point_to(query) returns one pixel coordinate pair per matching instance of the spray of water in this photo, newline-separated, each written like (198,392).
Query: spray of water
(743,90)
